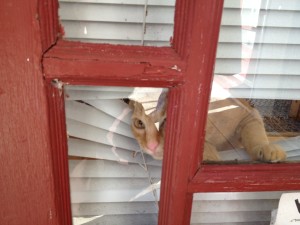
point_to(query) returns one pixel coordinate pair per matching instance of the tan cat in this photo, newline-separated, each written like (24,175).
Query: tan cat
(229,121)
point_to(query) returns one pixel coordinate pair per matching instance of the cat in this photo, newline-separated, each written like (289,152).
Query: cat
(241,124)
(143,127)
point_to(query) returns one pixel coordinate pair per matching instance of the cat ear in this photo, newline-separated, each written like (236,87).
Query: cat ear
(136,107)
(156,116)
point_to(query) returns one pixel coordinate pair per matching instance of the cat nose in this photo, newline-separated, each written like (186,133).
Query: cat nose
(152,145)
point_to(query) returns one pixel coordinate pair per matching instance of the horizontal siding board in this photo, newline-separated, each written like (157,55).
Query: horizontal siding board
(273,67)
(258,51)
(264,4)
(108,169)
(268,35)
(266,18)
(263,81)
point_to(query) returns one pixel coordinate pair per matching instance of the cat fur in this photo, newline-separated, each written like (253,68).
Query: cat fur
(229,121)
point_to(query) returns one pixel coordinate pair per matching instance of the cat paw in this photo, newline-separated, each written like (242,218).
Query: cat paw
(271,153)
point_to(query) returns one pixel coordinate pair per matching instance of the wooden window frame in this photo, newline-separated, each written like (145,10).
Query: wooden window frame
(186,68)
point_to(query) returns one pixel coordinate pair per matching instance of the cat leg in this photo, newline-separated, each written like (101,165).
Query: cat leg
(210,152)
(255,140)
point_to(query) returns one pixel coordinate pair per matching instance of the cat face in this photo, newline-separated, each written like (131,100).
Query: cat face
(150,139)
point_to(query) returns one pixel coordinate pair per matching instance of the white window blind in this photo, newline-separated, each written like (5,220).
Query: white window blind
(113,183)
(259,44)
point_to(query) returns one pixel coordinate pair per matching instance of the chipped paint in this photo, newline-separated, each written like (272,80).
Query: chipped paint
(59,85)
(175,67)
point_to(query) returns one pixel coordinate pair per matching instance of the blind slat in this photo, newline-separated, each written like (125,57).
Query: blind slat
(115,13)
(99,184)
(111,196)
(83,95)
(93,150)
(108,169)
(91,116)
(109,208)
(75,129)
(125,2)
(117,31)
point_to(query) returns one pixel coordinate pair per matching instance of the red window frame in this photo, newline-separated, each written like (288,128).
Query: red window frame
(193,52)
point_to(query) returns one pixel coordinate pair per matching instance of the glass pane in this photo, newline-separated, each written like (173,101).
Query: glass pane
(237,208)
(255,109)
(110,129)
(126,22)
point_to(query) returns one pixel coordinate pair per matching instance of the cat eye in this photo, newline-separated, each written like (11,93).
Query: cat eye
(139,124)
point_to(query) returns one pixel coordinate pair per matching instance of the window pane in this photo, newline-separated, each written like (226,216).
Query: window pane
(127,22)
(237,208)
(115,146)
(255,110)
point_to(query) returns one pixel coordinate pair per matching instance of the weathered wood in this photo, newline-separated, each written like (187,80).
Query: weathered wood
(187,69)
(247,177)
(26,180)
(83,63)
(182,154)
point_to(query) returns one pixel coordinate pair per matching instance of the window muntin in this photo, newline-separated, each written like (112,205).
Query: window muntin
(257,61)
(180,174)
